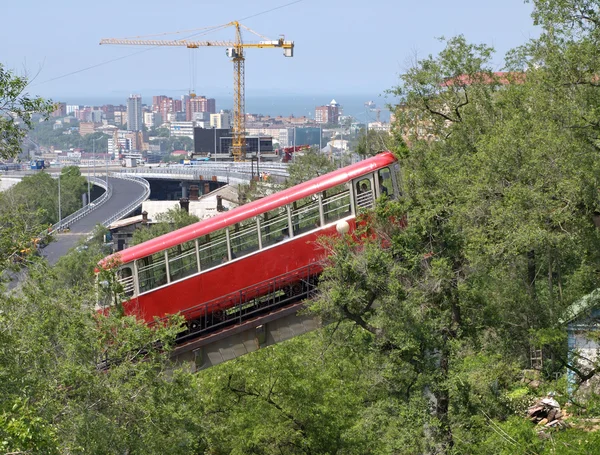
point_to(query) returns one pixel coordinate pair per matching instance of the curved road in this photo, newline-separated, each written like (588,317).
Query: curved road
(124,192)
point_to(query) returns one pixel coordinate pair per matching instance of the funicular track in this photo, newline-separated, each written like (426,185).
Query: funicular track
(251,302)
(258,301)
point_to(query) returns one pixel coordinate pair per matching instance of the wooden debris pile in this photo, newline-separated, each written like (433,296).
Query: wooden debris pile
(547,413)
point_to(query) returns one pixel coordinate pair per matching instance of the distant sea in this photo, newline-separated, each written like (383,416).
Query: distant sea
(284,105)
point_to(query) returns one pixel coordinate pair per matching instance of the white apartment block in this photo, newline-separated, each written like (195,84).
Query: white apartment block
(123,145)
(72,109)
(379,126)
(152,119)
(220,120)
(181,129)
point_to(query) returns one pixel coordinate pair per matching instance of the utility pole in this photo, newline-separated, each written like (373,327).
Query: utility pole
(215,141)
(59,207)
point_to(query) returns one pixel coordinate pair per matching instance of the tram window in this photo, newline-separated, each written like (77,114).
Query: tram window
(305,215)
(126,280)
(182,261)
(152,271)
(213,249)
(364,193)
(243,238)
(274,226)
(386,186)
(336,203)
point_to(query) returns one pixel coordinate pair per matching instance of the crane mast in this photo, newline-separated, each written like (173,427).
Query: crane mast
(239,99)
(235,51)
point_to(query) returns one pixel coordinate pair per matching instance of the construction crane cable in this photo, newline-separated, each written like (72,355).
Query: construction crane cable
(208,29)
(154,47)
(93,66)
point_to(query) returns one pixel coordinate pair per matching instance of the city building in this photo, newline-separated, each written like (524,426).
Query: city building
(123,145)
(120,117)
(72,109)
(152,119)
(134,113)
(96,116)
(379,126)
(329,113)
(255,145)
(108,111)
(86,128)
(220,120)
(60,110)
(180,129)
(208,140)
(199,104)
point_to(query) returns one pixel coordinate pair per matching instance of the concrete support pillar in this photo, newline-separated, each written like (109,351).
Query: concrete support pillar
(184,190)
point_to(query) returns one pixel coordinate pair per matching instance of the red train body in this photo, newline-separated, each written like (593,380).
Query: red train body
(274,237)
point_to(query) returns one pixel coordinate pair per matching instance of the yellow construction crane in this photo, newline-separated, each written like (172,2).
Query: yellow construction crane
(235,51)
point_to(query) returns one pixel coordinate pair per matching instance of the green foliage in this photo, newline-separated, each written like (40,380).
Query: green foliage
(73,381)
(20,227)
(76,269)
(372,142)
(308,166)
(16,112)
(174,218)
(297,398)
(38,193)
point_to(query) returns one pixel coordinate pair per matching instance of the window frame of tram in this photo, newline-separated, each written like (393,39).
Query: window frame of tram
(274,226)
(152,269)
(385,180)
(183,261)
(216,244)
(336,198)
(364,199)
(306,215)
(129,288)
(243,238)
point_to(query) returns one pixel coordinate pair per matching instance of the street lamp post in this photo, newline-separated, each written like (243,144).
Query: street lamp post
(94,155)
(89,199)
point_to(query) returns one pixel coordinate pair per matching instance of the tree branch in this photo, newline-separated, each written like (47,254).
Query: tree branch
(441,114)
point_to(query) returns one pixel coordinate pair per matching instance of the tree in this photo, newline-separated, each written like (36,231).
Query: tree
(373,142)
(294,398)
(39,193)
(308,166)
(16,111)
(75,381)
(499,196)
(172,219)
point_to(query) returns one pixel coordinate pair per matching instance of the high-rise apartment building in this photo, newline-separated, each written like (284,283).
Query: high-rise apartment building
(72,109)
(60,110)
(152,119)
(330,113)
(157,102)
(199,104)
(134,113)
(220,120)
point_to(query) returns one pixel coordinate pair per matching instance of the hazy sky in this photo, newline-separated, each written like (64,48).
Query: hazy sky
(342,46)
